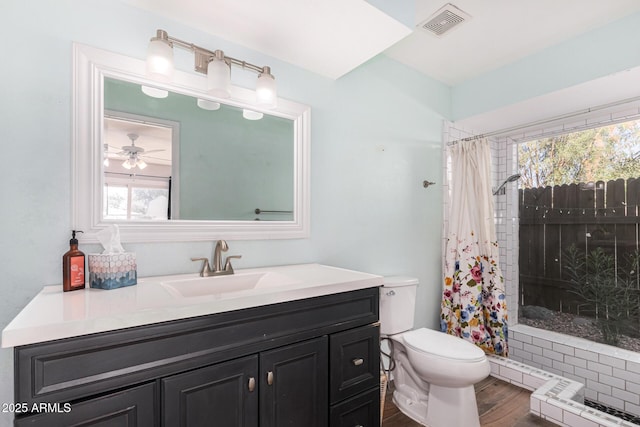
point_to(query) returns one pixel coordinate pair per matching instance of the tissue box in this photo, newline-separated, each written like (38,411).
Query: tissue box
(111,271)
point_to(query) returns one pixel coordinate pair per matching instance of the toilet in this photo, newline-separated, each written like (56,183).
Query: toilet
(434,372)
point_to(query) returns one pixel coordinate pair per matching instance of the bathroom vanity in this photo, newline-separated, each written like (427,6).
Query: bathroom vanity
(300,347)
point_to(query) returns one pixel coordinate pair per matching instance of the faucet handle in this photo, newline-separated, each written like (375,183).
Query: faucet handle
(227,263)
(205,266)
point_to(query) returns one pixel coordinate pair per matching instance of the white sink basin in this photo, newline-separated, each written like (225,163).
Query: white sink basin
(219,285)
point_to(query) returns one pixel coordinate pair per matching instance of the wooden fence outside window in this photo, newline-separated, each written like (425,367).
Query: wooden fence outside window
(587,215)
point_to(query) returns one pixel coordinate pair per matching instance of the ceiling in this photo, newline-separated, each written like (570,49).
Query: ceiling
(500,32)
(332,37)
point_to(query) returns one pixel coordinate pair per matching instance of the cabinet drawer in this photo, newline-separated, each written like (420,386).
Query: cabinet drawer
(362,410)
(135,407)
(355,362)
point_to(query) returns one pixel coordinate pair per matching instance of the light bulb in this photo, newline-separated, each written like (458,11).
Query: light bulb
(160,58)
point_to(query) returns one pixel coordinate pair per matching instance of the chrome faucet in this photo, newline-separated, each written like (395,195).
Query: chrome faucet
(218,269)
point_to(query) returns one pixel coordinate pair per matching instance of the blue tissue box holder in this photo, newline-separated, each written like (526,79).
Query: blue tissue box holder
(111,271)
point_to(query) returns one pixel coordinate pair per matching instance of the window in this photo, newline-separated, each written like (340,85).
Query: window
(135,198)
(578,234)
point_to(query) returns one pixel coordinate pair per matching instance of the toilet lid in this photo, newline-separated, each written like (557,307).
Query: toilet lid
(444,345)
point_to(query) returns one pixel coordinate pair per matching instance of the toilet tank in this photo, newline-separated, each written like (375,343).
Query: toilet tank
(397,304)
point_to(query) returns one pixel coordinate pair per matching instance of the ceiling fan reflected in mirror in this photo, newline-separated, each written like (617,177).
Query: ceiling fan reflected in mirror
(134,155)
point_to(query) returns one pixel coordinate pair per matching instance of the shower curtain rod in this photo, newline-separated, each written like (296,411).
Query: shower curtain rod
(512,129)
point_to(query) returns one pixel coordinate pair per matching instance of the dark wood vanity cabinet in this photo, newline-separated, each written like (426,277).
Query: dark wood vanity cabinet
(312,362)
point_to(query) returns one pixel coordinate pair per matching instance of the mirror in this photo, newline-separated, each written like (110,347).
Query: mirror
(210,163)
(186,166)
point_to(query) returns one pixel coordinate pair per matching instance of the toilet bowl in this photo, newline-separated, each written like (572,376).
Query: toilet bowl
(434,372)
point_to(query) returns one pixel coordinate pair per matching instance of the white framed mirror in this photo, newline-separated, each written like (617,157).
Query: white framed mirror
(186,167)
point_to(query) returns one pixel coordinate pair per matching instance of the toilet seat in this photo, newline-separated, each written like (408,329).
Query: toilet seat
(443,345)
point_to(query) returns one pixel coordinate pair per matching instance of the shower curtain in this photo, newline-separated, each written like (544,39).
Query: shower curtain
(473,299)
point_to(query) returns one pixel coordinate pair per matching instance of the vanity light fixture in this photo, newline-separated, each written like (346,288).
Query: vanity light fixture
(215,64)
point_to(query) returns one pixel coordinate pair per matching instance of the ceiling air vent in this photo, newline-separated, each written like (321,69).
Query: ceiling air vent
(444,20)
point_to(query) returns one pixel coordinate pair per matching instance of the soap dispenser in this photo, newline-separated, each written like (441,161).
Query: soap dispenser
(73,266)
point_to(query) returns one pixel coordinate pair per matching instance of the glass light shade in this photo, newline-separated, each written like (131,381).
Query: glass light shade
(251,115)
(154,92)
(160,61)
(205,104)
(141,164)
(106,162)
(266,96)
(219,78)
(126,164)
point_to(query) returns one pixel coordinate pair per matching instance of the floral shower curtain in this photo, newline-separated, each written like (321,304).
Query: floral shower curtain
(473,299)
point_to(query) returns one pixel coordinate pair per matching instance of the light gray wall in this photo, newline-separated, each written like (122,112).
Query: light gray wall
(376,135)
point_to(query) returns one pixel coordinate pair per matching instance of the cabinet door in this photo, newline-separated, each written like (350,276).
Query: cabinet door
(294,385)
(222,395)
(135,407)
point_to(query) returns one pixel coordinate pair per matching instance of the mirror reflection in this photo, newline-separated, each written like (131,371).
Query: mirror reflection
(184,158)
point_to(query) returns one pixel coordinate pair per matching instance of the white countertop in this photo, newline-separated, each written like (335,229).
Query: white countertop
(54,314)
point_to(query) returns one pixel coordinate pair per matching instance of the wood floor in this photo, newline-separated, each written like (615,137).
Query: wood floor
(500,404)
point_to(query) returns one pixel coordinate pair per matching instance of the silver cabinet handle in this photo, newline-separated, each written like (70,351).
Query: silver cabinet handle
(252,384)
(270,378)
(357,362)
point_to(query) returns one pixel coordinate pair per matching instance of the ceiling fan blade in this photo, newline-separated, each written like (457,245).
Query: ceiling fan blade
(153,151)
(155,158)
